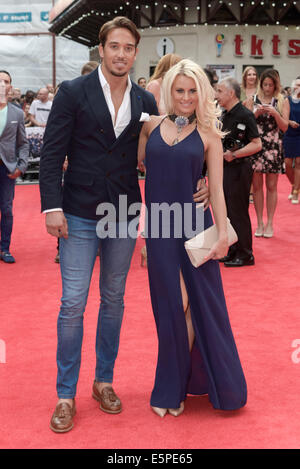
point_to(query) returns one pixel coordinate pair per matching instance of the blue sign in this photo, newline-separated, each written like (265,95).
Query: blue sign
(25,17)
(45,15)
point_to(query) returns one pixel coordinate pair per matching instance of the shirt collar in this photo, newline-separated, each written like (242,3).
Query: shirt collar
(105,84)
(233,108)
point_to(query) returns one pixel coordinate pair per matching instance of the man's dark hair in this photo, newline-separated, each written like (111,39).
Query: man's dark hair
(4,71)
(209,75)
(119,22)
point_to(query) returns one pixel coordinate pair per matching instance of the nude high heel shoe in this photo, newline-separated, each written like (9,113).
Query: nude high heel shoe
(259,231)
(159,411)
(290,196)
(177,412)
(143,256)
(294,198)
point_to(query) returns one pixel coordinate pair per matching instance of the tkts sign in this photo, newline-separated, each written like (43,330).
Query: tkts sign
(257,45)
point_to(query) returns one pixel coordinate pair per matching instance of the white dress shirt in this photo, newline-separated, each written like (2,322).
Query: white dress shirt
(124,113)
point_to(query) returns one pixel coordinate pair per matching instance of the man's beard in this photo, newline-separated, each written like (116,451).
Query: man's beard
(115,74)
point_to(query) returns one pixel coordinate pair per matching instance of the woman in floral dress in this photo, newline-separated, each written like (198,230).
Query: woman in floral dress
(272,114)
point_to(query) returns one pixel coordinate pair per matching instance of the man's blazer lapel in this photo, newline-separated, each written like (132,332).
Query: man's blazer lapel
(136,111)
(99,107)
(10,117)
(136,106)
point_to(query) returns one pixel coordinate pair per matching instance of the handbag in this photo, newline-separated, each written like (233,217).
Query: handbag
(198,247)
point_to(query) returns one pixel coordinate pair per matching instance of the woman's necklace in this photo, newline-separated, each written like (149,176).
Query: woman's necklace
(181,122)
(271,101)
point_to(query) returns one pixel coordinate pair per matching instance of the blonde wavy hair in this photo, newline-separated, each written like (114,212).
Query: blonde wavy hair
(207,112)
(244,77)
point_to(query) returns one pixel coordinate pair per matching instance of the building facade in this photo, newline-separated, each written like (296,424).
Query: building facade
(227,49)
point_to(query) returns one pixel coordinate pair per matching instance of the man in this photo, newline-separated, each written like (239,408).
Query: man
(50,88)
(142,82)
(95,120)
(40,108)
(14,153)
(16,100)
(241,141)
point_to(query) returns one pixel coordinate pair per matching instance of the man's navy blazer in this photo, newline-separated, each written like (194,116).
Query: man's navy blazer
(101,167)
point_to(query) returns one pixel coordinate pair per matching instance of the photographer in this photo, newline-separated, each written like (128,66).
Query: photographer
(241,141)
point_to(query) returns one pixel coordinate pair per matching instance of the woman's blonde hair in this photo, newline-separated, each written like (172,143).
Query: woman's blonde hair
(165,63)
(244,77)
(274,76)
(207,112)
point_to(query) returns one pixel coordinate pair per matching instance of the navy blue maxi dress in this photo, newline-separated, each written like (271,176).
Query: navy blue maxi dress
(213,366)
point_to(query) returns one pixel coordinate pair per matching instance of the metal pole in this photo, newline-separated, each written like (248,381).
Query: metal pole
(53,57)
(53,60)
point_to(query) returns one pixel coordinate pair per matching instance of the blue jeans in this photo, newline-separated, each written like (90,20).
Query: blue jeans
(77,258)
(7,193)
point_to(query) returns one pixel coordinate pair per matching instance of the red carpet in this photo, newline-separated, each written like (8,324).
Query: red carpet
(263,303)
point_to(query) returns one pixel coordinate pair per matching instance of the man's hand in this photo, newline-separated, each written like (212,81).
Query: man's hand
(202,194)
(228,156)
(17,173)
(57,224)
(294,124)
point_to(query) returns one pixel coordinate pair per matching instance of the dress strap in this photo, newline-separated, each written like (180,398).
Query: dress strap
(163,119)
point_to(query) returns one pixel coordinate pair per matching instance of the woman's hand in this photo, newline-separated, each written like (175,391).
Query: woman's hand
(142,167)
(219,250)
(271,110)
(259,109)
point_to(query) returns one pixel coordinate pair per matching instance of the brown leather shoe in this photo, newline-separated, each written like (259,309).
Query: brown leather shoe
(109,401)
(62,419)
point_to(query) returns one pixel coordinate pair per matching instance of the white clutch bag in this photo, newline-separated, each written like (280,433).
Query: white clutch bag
(199,246)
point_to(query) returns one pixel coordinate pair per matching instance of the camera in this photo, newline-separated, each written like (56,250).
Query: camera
(234,140)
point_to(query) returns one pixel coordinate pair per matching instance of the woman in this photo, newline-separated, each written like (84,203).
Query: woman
(272,114)
(291,142)
(155,82)
(197,352)
(249,85)
(248,91)
(154,86)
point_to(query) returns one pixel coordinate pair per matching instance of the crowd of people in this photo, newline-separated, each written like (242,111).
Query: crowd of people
(181,127)
(35,105)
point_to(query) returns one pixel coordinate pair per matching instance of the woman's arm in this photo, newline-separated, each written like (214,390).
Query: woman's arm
(249,103)
(281,120)
(293,124)
(147,129)
(214,159)
(154,88)
(142,145)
